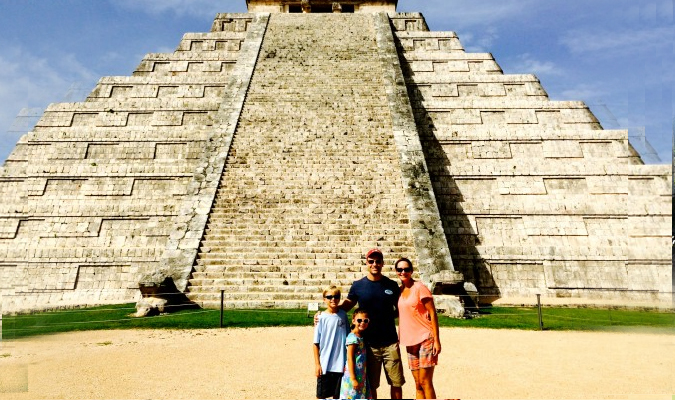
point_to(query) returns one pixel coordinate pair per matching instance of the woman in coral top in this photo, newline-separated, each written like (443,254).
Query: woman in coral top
(418,329)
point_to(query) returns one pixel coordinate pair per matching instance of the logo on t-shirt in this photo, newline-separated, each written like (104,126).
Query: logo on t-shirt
(389,291)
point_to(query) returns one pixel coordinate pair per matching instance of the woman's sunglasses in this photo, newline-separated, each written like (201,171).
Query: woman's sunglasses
(331,297)
(365,320)
(408,270)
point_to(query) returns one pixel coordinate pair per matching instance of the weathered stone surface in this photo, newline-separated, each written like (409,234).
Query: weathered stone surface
(450,306)
(149,306)
(535,197)
(265,157)
(159,295)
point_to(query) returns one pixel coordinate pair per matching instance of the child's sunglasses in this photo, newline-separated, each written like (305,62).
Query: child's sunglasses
(365,320)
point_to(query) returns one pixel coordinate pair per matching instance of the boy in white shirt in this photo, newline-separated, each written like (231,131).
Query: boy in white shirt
(330,334)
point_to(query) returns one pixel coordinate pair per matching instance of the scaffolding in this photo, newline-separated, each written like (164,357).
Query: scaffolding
(636,134)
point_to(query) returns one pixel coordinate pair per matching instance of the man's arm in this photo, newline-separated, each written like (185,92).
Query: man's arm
(347,304)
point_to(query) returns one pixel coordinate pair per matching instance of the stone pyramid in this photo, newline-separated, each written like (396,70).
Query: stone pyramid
(265,157)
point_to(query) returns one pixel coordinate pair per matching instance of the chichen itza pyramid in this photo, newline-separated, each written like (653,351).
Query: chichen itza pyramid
(263,158)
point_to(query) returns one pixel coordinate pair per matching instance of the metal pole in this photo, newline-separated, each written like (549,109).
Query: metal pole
(541,323)
(222,306)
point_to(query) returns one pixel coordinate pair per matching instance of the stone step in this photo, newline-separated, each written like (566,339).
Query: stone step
(264,273)
(208,288)
(284,232)
(298,259)
(283,251)
(255,283)
(258,245)
(255,296)
(319,247)
(260,282)
(244,220)
(289,265)
(249,270)
(245,303)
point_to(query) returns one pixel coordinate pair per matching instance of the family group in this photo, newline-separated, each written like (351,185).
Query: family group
(349,361)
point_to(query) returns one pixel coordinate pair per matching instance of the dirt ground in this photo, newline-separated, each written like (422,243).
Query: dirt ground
(266,363)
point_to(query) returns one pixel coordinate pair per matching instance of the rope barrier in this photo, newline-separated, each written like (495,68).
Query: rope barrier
(44,314)
(48,314)
(164,315)
(85,310)
(622,323)
(107,321)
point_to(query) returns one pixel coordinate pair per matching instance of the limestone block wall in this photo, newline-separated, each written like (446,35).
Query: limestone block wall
(265,157)
(535,196)
(91,195)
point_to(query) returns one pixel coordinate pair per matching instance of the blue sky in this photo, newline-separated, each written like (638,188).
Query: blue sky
(617,55)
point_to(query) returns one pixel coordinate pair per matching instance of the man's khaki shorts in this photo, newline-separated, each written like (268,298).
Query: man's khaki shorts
(390,357)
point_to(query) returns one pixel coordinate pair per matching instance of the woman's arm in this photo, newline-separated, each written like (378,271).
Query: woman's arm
(351,364)
(433,316)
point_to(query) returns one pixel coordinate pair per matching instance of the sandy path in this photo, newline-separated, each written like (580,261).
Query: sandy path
(277,363)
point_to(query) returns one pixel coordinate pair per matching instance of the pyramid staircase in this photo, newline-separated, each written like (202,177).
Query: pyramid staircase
(312,179)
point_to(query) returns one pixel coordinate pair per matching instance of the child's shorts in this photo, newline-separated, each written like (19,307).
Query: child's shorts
(328,385)
(421,355)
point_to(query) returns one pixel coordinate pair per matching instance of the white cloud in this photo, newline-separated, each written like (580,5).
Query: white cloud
(526,63)
(27,80)
(612,43)
(465,13)
(479,43)
(591,93)
(194,8)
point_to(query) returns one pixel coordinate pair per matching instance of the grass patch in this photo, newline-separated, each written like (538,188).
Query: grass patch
(560,319)
(118,317)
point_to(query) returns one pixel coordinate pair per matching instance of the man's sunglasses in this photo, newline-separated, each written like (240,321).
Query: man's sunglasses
(374,261)
(365,320)
(408,270)
(331,297)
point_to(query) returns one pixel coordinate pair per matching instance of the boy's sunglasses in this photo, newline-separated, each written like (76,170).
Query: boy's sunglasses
(331,297)
(408,270)
(365,320)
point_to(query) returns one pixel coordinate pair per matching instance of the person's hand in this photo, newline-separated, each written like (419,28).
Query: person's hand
(318,371)
(436,350)
(355,383)
(316,317)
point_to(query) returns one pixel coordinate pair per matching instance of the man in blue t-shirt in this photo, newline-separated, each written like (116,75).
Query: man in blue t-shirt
(379,296)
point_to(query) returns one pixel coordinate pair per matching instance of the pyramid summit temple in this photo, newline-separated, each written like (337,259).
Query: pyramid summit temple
(263,158)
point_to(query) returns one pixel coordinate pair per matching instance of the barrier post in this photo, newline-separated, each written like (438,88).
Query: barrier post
(222,306)
(541,322)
